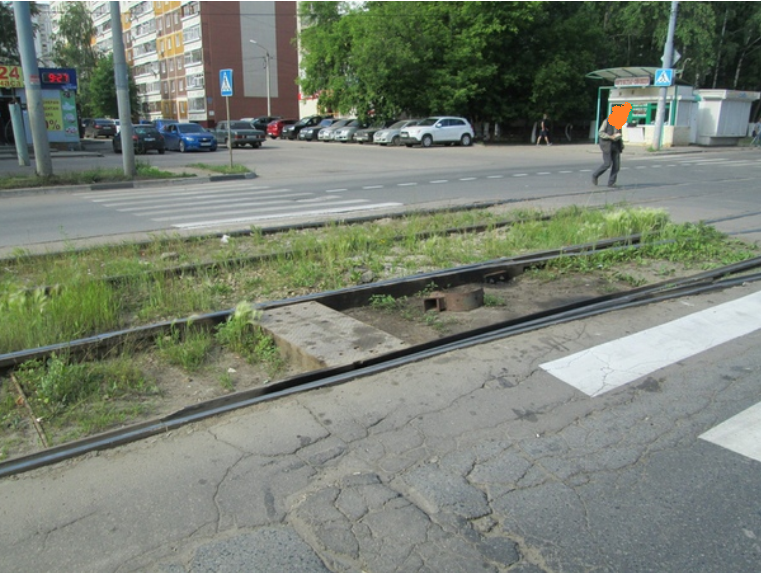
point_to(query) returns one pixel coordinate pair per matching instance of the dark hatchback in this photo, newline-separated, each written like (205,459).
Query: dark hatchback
(144,138)
(99,128)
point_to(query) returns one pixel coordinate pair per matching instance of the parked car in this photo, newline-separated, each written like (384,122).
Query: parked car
(327,133)
(367,134)
(311,133)
(346,133)
(292,131)
(188,136)
(242,133)
(391,135)
(261,122)
(144,139)
(100,128)
(437,130)
(275,128)
(161,122)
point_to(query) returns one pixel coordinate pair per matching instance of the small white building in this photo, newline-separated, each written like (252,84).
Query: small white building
(692,117)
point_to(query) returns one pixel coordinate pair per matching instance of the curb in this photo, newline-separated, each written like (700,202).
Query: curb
(124,185)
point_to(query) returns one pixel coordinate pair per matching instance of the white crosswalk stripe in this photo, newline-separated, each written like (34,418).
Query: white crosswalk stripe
(231,203)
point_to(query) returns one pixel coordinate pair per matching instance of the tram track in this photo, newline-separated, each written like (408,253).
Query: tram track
(717,279)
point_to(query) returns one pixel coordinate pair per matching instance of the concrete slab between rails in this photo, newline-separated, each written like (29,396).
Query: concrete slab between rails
(315,336)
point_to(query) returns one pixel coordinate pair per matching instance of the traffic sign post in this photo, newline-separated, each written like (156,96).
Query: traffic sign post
(664,78)
(226,87)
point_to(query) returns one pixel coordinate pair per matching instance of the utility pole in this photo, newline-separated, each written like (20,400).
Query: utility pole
(33,90)
(267,66)
(668,53)
(121,77)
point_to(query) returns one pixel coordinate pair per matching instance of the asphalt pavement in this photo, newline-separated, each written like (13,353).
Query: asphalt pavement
(478,459)
(484,458)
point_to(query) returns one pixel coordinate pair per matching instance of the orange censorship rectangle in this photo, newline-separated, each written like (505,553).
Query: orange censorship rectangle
(11,77)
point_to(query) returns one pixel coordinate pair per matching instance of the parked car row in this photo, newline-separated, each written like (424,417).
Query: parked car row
(437,130)
(162,134)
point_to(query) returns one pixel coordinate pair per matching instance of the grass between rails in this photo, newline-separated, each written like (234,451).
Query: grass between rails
(81,303)
(99,175)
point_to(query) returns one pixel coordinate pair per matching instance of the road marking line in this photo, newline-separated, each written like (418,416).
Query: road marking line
(405,184)
(468,178)
(373,187)
(740,434)
(498,176)
(520,175)
(565,172)
(335,190)
(585,170)
(439,181)
(175,207)
(613,364)
(282,215)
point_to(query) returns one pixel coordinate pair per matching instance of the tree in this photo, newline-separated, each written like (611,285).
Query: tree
(8,39)
(102,91)
(73,47)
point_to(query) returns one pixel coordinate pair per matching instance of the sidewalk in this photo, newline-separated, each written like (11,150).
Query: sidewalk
(474,460)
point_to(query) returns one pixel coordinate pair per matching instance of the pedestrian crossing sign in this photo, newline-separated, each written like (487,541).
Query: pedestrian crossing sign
(664,77)
(226,82)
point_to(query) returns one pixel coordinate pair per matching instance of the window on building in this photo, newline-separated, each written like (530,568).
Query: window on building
(191,34)
(195,81)
(193,57)
(196,104)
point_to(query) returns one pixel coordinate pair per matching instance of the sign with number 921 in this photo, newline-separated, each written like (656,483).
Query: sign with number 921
(11,77)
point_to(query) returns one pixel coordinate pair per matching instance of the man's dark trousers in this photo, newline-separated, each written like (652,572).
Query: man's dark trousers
(611,159)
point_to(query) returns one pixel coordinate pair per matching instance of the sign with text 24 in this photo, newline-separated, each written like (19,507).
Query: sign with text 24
(11,77)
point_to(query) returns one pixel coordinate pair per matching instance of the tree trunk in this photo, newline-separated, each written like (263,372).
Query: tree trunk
(721,45)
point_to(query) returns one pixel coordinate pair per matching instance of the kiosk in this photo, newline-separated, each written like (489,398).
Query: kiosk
(702,117)
(58,89)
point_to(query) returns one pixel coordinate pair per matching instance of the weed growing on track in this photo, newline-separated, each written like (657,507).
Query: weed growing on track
(105,289)
(319,259)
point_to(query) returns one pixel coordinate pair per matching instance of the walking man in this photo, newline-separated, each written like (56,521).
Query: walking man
(611,146)
(544,131)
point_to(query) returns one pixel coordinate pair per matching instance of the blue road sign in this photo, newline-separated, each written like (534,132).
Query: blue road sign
(664,77)
(226,82)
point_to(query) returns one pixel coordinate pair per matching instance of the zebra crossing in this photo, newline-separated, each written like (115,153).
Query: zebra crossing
(598,370)
(189,207)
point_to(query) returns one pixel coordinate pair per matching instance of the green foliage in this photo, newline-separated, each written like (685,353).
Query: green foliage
(502,61)
(9,53)
(59,384)
(102,96)
(188,349)
(73,48)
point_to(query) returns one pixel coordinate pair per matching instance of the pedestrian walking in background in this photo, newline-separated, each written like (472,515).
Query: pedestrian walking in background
(611,145)
(756,141)
(544,131)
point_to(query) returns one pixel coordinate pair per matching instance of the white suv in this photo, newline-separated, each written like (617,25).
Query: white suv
(438,130)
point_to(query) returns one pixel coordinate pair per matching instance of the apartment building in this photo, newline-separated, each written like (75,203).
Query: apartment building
(177,49)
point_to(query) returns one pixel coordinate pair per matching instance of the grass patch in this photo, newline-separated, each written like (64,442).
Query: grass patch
(109,288)
(98,175)
(236,169)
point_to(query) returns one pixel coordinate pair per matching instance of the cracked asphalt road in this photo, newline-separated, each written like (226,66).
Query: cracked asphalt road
(476,460)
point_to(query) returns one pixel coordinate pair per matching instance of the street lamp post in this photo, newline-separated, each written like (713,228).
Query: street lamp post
(266,65)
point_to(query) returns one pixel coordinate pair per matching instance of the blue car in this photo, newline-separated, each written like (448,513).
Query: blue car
(188,136)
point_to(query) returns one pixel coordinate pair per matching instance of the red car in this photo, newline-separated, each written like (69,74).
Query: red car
(275,128)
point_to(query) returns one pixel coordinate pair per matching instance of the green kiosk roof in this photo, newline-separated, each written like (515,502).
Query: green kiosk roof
(612,74)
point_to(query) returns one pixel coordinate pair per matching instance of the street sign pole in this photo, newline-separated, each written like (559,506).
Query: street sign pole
(226,85)
(668,52)
(229,135)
